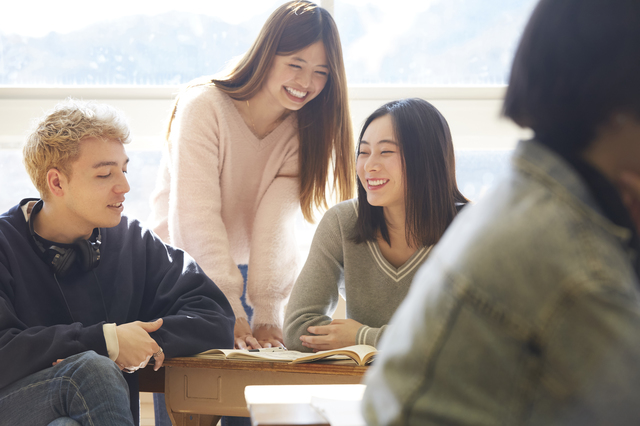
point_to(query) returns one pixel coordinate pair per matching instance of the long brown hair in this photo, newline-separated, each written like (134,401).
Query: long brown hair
(432,198)
(324,124)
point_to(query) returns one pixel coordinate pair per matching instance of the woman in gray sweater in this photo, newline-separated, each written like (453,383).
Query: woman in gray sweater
(368,250)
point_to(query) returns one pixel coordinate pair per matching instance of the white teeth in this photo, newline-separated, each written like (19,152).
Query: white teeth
(296,93)
(376,182)
(115,205)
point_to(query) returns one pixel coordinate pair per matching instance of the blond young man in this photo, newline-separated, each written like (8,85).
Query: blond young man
(87,294)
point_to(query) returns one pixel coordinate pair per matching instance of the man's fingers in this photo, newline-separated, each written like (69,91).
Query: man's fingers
(150,327)
(158,361)
(144,363)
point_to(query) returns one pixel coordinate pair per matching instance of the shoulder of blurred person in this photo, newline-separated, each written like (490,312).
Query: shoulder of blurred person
(495,306)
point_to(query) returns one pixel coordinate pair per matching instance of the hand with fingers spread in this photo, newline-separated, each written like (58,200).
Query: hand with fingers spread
(136,345)
(338,334)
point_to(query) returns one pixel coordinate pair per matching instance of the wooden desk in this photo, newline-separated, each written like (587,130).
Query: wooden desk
(198,390)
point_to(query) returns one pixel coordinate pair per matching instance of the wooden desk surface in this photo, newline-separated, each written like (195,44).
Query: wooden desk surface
(340,368)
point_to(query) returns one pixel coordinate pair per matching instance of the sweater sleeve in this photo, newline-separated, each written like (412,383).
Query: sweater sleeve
(196,315)
(273,264)
(194,218)
(369,336)
(315,295)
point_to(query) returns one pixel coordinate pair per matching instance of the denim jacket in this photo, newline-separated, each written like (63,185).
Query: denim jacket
(526,312)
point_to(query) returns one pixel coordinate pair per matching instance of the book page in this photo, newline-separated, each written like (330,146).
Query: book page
(243,354)
(356,352)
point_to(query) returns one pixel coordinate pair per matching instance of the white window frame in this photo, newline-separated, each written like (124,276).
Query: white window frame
(473,112)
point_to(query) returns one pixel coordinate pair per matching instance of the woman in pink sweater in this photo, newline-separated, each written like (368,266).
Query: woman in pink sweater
(246,151)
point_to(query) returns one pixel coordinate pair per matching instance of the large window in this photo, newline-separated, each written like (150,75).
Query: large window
(135,55)
(71,42)
(430,42)
(419,42)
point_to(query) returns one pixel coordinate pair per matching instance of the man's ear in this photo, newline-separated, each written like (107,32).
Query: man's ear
(57,182)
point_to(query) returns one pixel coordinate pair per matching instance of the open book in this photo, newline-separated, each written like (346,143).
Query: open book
(361,354)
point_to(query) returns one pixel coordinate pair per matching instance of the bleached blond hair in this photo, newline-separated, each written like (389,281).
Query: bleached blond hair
(55,140)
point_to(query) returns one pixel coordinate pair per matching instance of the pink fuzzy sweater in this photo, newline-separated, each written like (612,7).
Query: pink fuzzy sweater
(229,198)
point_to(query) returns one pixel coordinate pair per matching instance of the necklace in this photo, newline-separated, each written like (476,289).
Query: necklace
(270,128)
(255,132)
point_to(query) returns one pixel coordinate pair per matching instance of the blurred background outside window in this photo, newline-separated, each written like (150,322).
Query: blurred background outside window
(401,43)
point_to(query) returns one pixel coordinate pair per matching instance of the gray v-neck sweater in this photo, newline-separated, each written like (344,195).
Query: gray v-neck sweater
(371,286)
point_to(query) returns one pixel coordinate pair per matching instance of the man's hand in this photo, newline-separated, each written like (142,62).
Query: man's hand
(269,336)
(243,337)
(159,359)
(136,346)
(338,334)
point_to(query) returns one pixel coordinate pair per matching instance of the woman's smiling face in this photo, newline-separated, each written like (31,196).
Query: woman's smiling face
(296,79)
(379,164)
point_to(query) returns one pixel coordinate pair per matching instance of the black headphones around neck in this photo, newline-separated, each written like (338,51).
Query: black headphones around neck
(84,253)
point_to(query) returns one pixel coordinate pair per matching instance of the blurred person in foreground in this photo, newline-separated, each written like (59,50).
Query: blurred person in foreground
(528,309)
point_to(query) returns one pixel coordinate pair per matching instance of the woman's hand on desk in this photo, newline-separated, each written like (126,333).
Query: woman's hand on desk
(269,336)
(243,337)
(264,336)
(338,334)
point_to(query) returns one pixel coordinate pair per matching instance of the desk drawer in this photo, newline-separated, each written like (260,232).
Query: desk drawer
(221,392)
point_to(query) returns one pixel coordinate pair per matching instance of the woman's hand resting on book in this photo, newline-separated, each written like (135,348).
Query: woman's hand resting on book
(338,334)
(269,336)
(264,336)
(243,337)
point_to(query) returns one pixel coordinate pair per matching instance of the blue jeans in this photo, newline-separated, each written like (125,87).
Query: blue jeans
(159,407)
(84,389)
